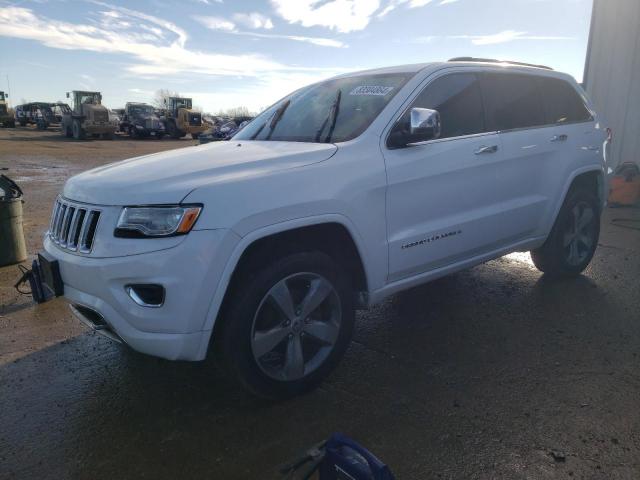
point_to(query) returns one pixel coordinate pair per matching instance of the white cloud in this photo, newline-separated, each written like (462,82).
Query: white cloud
(162,54)
(341,15)
(506,36)
(447,2)
(222,24)
(253,20)
(216,23)
(393,4)
(320,41)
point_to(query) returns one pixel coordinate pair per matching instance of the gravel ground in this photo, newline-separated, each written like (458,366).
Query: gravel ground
(495,372)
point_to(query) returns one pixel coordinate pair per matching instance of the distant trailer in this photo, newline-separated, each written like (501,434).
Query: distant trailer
(612,74)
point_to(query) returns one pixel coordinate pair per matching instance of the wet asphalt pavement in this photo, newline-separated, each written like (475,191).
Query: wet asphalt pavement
(495,372)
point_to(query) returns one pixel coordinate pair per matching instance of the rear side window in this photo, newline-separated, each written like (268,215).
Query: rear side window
(512,101)
(457,98)
(562,104)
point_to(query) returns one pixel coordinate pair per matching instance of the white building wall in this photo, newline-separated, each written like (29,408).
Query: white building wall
(612,73)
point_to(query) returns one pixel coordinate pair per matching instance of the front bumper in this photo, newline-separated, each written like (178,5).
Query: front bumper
(97,128)
(189,272)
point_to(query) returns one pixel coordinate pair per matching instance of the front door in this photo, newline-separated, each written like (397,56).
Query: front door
(450,199)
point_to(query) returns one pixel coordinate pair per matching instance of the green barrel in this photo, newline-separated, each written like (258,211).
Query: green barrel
(12,246)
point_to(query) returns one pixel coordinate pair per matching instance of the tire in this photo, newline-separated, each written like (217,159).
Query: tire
(133,133)
(173,131)
(195,136)
(574,237)
(258,361)
(78,131)
(66,130)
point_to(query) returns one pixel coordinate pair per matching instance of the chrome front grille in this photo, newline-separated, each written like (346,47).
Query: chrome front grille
(152,124)
(73,227)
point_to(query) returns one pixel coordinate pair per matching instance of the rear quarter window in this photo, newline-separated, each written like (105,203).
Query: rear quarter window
(562,104)
(511,101)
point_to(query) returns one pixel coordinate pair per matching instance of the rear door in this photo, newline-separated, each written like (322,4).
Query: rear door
(514,107)
(571,130)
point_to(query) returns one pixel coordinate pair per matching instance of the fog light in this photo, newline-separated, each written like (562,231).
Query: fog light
(146,295)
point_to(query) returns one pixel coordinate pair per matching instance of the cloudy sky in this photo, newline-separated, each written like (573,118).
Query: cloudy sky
(227,53)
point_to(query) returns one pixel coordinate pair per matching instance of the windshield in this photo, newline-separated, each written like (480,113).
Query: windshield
(89,98)
(1,96)
(183,103)
(333,111)
(140,110)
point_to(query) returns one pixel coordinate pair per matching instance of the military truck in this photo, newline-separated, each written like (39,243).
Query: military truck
(88,117)
(180,119)
(6,113)
(139,120)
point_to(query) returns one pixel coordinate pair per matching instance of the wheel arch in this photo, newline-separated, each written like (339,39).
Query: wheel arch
(591,176)
(331,231)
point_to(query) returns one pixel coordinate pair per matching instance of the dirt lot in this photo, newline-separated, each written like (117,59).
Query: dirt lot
(496,372)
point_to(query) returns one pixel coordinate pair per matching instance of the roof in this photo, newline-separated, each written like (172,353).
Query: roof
(465,61)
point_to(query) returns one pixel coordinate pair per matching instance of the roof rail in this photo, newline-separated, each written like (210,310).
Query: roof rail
(493,60)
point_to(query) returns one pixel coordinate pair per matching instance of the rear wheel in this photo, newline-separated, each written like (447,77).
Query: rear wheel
(288,325)
(574,237)
(78,131)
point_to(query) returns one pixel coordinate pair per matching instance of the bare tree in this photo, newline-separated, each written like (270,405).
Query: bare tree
(235,112)
(160,97)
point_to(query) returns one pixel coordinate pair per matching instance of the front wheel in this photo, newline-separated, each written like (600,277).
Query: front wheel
(574,237)
(78,131)
(287,325)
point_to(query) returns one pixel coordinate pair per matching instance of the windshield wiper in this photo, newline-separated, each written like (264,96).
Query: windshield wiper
(332,117)
(275,118)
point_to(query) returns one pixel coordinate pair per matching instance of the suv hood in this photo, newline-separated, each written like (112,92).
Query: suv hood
(168,177)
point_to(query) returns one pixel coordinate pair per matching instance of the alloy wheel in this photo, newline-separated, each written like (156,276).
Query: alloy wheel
(296,326)
(579,235)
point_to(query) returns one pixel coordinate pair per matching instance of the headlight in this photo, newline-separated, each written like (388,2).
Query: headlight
(160,221)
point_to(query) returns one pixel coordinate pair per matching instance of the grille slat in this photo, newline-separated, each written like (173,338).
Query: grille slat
(73,227)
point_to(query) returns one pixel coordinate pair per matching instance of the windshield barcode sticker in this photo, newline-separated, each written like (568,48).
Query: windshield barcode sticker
(371,90)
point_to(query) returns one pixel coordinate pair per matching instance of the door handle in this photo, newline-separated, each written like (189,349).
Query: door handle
(559,138)
(486,149)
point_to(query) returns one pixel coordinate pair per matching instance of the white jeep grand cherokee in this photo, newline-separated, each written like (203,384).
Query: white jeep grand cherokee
(340,194)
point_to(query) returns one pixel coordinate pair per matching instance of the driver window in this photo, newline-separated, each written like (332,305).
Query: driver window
(457,98)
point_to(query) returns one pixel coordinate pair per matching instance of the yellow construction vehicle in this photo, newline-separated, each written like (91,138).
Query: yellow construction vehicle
(6,114)
(180,119)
